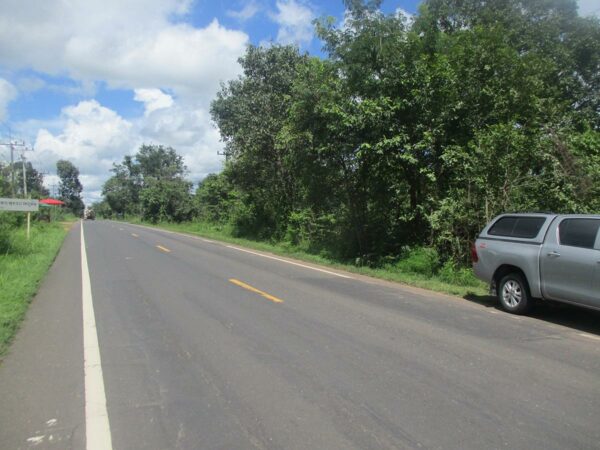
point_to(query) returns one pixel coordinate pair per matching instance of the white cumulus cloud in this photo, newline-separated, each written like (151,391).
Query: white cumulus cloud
(295,22)
(92,138)
(248,11)
(187,127)
(127,44)
(7,94)
(153,99)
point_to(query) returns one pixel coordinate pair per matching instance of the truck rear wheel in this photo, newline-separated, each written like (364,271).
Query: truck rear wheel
(513,294)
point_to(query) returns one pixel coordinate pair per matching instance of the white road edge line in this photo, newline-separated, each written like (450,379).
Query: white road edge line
(248,251)
(289,262)
(153,228)
(589,336)
(97,428)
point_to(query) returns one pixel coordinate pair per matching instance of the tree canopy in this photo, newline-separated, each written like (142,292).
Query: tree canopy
(69,186)
(412,131)
(150,184)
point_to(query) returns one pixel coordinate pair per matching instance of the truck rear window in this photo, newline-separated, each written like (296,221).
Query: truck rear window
(519,227)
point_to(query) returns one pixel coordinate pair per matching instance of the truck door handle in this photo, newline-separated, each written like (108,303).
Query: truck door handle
(554,254)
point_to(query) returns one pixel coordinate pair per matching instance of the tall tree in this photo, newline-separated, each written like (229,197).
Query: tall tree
(122,190)
(250,113)
(157,162)
(69,187)
(215,198)
(164,194)
(152,184)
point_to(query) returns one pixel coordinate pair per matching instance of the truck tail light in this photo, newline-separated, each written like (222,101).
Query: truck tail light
(474,255)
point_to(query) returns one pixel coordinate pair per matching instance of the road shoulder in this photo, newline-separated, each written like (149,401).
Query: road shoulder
(41,377)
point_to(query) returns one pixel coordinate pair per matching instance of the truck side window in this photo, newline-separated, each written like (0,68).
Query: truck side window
(578,232)
(519,227)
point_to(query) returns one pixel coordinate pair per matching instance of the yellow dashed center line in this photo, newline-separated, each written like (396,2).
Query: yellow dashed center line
(164,249)
(256,291)
(134,235)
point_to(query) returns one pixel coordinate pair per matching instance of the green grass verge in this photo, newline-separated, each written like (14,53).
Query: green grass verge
(463,281)
(21,271)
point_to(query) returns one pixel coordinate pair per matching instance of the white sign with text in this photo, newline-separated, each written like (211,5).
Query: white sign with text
(19,204)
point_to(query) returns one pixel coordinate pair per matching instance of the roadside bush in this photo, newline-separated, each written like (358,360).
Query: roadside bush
(461,276)
(420,260)
(9,222)
(311,232)
(167,200)
(5,238)
(215,199)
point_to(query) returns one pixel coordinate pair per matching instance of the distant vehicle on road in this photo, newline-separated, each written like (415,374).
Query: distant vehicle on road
(89,214)
(540,256)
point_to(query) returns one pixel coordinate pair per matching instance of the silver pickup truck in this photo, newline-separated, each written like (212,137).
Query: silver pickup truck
(540,256)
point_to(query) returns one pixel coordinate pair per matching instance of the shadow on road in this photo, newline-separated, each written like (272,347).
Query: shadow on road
(581,319)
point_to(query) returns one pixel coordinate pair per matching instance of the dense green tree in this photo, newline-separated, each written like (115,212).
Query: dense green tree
(164,193)
(102,209)
(156,162)
(250,113)
(215,199)
(5,190)
(151,183)
(167,200)
(69,186)
(518,88)
(118,195)
(122,190)
(371,115)
(472,105)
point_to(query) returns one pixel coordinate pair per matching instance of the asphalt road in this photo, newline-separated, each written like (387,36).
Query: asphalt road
(204,346)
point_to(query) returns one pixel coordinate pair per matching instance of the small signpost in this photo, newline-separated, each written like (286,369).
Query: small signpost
(20,204)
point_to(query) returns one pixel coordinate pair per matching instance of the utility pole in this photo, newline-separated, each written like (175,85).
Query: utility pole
(25,192)
(25,187)
(24,175)
(23,159)
(12,144)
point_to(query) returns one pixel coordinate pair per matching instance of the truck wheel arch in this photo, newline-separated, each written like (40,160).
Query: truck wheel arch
(505,270)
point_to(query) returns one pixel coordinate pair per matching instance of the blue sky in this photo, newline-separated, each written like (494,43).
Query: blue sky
(254,18)
(91,80)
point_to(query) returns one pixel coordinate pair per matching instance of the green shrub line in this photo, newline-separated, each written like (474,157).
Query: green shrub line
(419,267)
(23,264)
